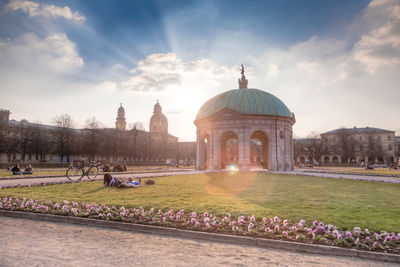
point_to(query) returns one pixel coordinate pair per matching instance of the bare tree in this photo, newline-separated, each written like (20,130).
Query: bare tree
(92,137)
(345,145)
(315,147)
(64,135)
(374,148)
(39,141)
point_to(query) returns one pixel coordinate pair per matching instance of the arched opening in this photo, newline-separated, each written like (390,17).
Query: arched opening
(302,159)
(335,160)
(326,160)
(229,149)
(259,150)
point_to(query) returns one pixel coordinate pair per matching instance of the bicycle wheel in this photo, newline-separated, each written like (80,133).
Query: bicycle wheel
(74,173)
(92,172)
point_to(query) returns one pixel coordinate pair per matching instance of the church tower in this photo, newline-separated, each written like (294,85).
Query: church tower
(158,122)
(120,124)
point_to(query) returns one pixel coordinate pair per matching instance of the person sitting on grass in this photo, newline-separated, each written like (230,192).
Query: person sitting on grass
(28,169)
(119,168)
(16,170)
(106,168)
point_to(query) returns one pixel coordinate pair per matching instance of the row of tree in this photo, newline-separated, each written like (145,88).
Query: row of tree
(63,139)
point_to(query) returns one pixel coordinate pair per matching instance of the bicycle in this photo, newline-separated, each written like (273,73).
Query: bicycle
(77,171)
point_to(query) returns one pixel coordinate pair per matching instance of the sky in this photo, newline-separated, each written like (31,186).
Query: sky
(334,63)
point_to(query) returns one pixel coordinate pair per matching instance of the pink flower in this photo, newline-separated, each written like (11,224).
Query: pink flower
(205,214)
(197,224)
(233,223)
(356,230)
(367,239)
(207,225)
(387,239)
(327,232)
(276,219)
(276,228)
(294,229)
(315,223)
(375,244)
(252,218)
(348,234)
(285,234)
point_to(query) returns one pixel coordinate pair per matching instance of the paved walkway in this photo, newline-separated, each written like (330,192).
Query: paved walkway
(37,243)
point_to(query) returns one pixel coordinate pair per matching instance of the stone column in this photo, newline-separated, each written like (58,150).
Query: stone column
(244,148)
(214,150)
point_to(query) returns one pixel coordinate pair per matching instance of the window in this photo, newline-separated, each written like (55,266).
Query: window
(360,138)
(390,147)
(389,137)
(379,138)
(361,147)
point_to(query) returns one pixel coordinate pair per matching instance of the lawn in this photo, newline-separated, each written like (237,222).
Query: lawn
(344,203)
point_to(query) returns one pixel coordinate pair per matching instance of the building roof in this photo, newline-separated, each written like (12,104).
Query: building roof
(245,101)
(359,130)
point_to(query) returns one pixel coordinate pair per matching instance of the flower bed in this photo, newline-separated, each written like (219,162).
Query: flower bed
(272,228)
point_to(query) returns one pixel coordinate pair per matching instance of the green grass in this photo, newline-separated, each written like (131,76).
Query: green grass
(344,203)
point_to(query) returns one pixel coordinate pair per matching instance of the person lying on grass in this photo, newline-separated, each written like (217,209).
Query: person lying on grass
(118,182)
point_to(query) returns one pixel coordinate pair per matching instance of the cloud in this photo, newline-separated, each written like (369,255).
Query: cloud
(380,47)
(157,72)
(52,54)
(34,9)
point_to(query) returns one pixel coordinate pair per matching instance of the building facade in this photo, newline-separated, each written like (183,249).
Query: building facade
(349,146)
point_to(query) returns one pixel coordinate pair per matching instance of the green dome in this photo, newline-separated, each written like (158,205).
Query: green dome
(245,101)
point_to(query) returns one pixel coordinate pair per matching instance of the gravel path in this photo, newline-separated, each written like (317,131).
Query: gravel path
(37,243)
(360,177)
(25,181)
